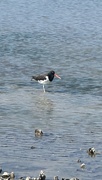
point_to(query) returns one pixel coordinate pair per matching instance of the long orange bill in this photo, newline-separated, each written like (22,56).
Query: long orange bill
(57,76)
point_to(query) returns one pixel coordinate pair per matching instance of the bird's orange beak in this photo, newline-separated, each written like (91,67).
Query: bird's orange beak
(57,76)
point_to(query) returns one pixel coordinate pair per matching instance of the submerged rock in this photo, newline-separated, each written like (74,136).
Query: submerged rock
(33,147)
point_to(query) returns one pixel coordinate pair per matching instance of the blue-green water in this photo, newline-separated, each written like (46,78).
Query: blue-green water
(35,37)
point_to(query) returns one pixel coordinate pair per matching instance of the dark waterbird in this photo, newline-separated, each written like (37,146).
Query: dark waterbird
(45,78)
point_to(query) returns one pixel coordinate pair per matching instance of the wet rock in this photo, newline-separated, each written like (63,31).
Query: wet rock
(29,178)
(42,176)
(0,170)
(12,175)
(55,178)
(5,175)
(74,178)
(21,178)
(8,176)
(79,161)
(38,132)
(91,151)
(32,147)
(82,165)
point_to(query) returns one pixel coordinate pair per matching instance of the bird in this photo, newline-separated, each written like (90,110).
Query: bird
(45,78)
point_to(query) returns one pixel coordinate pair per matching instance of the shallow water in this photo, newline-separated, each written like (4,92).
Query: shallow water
(35,37)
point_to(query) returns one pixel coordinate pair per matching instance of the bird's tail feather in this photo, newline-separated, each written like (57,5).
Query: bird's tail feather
(33,78)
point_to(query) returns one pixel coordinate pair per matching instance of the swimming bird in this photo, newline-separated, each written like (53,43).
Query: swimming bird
(46,78)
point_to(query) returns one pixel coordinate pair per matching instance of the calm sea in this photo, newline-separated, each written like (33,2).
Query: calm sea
(37,36)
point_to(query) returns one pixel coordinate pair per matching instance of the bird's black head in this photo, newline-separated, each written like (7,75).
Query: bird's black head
(51,75)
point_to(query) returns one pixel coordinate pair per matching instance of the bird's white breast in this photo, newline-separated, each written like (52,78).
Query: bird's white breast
(45,81)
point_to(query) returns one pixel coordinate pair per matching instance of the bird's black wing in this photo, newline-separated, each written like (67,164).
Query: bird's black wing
(38,78)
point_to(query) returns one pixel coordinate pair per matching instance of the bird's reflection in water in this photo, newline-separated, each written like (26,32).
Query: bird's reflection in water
(43,110)
(44,104)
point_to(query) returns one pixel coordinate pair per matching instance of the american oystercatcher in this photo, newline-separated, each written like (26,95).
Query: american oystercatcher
(46,78)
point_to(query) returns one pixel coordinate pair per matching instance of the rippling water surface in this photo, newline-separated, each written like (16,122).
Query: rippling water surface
(35,37)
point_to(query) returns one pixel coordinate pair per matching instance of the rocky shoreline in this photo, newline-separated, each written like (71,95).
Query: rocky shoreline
(11,176)
(41,176)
